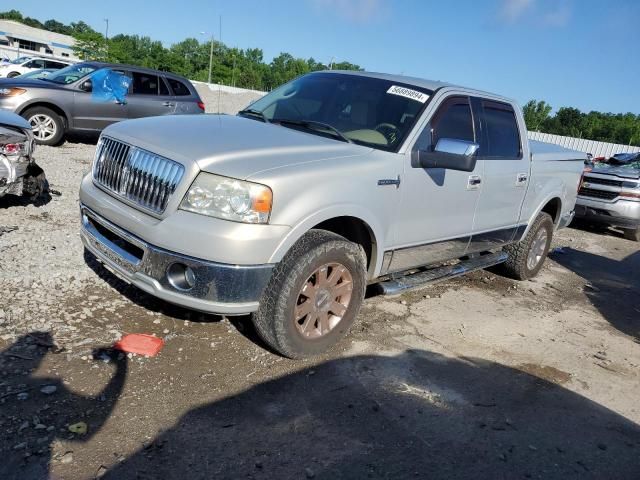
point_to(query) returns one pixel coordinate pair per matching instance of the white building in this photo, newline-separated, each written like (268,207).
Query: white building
(17,39)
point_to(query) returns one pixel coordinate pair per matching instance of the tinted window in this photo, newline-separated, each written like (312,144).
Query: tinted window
(453,120)
(179,88)
(50,64)
(145,84)
(502,134)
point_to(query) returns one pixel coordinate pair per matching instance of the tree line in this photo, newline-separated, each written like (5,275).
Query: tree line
(623,128)
(245,68)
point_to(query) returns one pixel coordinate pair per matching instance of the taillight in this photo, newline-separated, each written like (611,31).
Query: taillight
(201,105)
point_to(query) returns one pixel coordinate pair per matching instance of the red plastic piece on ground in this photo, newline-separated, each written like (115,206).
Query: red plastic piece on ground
(140,343)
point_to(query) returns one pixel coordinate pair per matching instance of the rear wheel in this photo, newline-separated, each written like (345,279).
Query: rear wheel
(632,234)
(47,125)
(527,256)
(313,296)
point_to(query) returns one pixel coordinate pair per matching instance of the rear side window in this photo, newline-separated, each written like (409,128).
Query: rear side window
(51,64)
(502,138)
(453,120)
(179,88)
(145,84)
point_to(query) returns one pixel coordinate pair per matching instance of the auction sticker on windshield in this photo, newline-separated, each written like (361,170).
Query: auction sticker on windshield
(408,93)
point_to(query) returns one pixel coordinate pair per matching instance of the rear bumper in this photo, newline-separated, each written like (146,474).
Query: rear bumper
(209,287)
(621,213)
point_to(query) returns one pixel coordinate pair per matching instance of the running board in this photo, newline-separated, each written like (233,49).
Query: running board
(419,279)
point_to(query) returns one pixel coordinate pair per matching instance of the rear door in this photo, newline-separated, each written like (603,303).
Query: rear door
(186,101)
(505,175)
(149,96)
(89,113)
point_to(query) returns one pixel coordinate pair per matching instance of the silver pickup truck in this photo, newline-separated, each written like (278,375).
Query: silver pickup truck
(332,182)
(610,194)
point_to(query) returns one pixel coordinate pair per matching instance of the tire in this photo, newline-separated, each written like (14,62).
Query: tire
(12,74)
(632,234)
(48,126)
(317,260)
(523,264)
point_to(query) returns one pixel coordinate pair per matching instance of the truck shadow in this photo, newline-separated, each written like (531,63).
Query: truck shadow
(613,286)
(45,414)
(415,415)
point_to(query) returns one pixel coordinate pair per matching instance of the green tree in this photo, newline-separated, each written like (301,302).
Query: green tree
(90,46)
(536,113)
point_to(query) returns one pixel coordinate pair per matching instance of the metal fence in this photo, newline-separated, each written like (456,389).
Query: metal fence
(597,149)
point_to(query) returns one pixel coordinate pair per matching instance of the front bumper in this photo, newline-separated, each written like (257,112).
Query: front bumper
(621,213)
(213,287)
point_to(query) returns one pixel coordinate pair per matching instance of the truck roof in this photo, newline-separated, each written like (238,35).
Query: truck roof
(418,82)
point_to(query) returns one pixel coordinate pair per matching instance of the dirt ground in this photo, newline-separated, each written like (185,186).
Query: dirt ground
(478,377)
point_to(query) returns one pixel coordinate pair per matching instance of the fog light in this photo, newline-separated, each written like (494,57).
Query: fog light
(181,276)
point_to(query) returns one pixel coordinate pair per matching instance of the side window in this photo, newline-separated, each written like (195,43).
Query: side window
(453,120)
(145,84)
(502,135)
(179,88)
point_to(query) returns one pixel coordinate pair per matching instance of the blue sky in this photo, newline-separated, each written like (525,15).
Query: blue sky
(582,53)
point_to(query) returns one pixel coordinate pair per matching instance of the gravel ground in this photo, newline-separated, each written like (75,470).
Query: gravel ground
(478,377)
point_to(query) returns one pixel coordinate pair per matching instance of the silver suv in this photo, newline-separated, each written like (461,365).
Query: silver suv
(68,100)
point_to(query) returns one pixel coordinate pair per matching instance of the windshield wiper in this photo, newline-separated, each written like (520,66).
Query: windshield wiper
(254,113)
(313,125)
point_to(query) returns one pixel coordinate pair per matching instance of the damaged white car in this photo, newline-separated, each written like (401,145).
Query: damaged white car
(19,173)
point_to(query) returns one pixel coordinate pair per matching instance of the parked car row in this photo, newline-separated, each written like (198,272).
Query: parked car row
(68,100)
(23,65)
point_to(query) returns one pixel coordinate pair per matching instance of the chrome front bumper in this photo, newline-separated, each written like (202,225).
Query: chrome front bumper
(186,281)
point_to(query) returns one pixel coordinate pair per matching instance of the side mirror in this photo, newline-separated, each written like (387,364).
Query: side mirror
(451,154)
(86,86)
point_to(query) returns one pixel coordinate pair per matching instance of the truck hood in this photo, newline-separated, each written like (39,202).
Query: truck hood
(229,145)
(624,171)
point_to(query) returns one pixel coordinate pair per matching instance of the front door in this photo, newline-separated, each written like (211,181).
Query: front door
(93,111)
(435,220)
(149,96)
(505,178)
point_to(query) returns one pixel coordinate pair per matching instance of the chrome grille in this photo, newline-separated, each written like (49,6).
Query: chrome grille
(592,192)
(140,176)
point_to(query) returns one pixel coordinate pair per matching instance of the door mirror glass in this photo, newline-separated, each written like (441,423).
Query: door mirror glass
(451,154)
(86,86)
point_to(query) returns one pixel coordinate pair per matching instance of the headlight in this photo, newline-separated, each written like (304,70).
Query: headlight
(11,92)
(229,199)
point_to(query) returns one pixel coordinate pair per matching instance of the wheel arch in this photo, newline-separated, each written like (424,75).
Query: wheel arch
(352,223)
(46,104)
(551,205)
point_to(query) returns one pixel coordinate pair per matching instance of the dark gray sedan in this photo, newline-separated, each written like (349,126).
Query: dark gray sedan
(89,96)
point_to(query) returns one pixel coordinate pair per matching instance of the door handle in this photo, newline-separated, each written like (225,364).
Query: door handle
(522,178)
(168,104)
(474,182)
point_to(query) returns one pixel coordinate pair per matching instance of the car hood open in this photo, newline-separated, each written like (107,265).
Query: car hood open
(229,145)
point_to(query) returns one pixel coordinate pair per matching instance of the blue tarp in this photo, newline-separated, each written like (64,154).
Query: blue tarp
(109,86)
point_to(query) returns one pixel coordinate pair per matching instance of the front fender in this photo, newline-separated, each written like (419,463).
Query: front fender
(334,211)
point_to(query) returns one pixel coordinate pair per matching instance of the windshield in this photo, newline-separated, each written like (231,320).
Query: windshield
(368,111)
(71,73)
(20,60)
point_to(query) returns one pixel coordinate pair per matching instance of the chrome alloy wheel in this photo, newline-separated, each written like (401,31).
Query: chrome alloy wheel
(43,126)
(323,300)
(538,246)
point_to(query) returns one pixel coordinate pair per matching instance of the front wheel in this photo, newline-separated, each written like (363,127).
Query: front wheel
(528,255)
(313,296)
(47,125)
(12,74)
